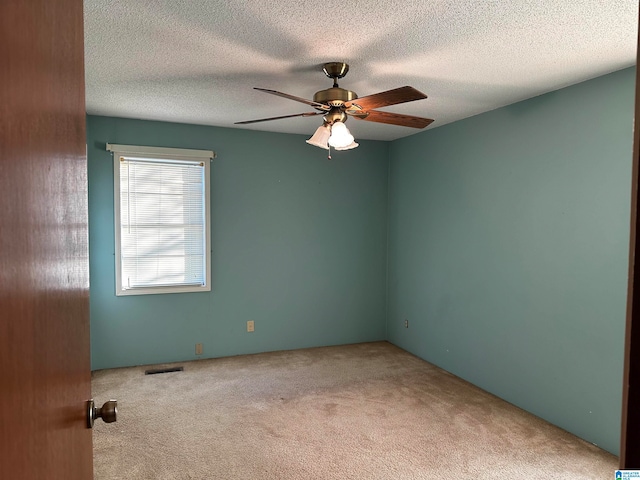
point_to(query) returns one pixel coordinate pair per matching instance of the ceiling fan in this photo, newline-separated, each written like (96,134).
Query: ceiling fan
(337,104)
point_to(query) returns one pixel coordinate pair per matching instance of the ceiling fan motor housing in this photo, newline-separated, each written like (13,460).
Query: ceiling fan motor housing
(335,97)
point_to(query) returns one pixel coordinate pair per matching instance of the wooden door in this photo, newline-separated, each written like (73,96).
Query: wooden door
(44,308)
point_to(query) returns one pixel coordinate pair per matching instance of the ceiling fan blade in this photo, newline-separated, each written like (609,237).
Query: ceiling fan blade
(390,97)
(297,99)
(305,114)
(395,119)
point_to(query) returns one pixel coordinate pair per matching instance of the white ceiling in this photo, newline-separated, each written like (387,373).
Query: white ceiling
(196,61)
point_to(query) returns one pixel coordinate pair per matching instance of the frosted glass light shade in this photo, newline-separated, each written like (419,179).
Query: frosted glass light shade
(320,138)
(348,147)
(340,136)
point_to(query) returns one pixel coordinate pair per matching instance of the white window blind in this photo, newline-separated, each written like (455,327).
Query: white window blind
(162,225)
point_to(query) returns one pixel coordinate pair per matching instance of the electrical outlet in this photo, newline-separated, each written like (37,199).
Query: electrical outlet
(198,349)
(250,326)
(406,323)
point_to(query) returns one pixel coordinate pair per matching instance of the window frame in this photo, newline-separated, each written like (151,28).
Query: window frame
(160,153)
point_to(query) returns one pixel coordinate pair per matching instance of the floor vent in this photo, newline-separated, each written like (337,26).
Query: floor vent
(163,370)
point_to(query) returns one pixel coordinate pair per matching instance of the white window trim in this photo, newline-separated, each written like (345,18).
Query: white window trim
(160,153)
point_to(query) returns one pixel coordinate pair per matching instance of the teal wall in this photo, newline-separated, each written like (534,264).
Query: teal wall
(299,246)
(506,252)
(508,246)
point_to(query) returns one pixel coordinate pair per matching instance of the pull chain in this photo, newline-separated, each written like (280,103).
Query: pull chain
(329,156)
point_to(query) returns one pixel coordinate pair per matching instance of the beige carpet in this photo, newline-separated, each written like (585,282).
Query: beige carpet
(369,411)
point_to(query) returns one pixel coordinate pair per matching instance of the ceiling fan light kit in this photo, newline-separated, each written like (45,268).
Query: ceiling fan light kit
(340,135)
(349,147)
(321,137)
(338,104)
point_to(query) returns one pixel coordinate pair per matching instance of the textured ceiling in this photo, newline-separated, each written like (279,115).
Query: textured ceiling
(196,61)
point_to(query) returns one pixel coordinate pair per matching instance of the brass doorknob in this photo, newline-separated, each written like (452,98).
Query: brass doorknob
(108,412)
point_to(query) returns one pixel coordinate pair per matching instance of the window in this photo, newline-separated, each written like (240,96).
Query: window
(162,232)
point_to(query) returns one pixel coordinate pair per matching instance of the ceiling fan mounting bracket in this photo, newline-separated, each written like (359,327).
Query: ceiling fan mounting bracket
(335,70)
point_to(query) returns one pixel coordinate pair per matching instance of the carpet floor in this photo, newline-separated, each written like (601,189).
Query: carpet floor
(366,411)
